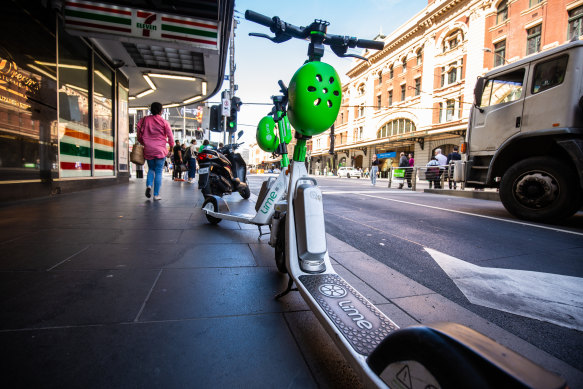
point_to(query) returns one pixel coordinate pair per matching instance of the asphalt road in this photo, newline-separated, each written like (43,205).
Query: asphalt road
(396,226)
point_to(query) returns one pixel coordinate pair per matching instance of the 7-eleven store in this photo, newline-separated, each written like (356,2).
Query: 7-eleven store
(71,71)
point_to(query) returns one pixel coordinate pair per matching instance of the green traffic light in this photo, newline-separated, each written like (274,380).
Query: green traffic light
(231,124)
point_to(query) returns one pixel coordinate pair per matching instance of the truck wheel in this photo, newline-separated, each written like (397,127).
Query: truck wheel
(280,247)
(541,189)
(211,204)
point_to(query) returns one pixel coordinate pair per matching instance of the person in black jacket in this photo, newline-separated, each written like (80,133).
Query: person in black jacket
(453,156)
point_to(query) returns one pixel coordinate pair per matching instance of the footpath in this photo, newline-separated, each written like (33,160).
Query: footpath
(107,289)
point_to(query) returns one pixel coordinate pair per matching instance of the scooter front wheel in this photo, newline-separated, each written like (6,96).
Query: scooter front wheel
(211,204)
(280,247)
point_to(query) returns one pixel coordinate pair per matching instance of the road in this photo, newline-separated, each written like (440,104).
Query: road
(524,277)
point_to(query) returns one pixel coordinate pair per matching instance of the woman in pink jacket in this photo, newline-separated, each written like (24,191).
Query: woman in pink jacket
(154,133)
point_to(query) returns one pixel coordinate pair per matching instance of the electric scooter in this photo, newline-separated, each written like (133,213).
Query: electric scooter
(271,199)
(445,355)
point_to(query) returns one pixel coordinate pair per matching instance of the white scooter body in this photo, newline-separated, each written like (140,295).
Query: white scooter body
(354,323)
(277,191)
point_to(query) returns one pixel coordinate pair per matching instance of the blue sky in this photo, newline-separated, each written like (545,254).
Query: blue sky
(261,63)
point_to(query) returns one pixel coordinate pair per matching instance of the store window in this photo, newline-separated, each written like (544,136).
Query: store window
(74,108)
(28,94)
(103,135)
(503,89)
(533,38)
(575,23)
(502,11)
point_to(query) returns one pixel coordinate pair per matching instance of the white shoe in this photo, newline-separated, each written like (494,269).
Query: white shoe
(157,198)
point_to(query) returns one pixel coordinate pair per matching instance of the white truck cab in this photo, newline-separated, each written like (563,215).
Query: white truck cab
(525,134)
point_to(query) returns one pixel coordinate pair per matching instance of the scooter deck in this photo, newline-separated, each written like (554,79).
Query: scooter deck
(363,325)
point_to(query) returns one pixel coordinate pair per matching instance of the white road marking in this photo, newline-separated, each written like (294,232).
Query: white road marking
(468,213)
(548,297)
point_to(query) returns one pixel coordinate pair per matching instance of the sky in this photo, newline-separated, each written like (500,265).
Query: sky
(260,63)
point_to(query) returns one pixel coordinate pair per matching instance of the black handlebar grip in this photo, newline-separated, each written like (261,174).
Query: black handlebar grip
(258,18)
(368,44)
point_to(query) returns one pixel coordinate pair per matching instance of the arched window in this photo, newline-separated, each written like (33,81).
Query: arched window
(502,11)
(419,56)
(404,61)
(396,127)
(452,40)
(361,89)
(391,72)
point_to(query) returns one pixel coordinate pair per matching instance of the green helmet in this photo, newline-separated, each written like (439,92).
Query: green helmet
(314,98)
(266,138)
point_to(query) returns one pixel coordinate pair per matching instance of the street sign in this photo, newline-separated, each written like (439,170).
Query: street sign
(226,107)
(387,155)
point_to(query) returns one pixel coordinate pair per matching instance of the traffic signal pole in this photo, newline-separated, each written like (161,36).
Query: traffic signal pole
(231,68)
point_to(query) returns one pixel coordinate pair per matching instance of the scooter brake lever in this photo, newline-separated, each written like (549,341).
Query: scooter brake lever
(340,51)
(276,39)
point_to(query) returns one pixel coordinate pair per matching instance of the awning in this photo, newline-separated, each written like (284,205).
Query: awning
(173,52)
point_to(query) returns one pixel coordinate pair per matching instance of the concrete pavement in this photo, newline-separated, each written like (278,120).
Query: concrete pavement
(105,288)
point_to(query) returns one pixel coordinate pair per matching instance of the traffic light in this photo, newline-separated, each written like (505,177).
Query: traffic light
(232,119)
(216,119)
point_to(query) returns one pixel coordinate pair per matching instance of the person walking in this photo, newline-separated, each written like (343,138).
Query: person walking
(374,169)
(177,154)
(409,172)
(403,163)
(154,133)
(190,158)
(453,156)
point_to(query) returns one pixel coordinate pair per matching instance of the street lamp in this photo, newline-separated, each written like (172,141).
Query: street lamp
(488,50)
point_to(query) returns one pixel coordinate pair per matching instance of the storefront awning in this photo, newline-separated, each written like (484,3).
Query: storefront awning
(173,52)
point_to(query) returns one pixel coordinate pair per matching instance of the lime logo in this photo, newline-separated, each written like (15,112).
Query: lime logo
(269,201)
(332,290)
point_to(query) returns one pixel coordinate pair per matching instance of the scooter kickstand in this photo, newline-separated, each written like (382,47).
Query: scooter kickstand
(261,233)
(288,289)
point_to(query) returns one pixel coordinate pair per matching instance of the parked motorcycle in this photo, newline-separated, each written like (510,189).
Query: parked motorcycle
(222,172)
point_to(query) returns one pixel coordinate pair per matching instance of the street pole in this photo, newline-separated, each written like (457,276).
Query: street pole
(232,64)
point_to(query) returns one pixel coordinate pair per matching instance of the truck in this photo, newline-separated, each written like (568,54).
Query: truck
(525,135)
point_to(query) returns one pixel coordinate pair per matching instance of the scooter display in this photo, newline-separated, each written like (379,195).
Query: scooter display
(222,172)
(445,355)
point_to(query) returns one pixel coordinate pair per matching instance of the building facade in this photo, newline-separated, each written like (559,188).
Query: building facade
(415,95)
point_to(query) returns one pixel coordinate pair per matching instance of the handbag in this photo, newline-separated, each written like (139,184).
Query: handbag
(183,167)
(137,154)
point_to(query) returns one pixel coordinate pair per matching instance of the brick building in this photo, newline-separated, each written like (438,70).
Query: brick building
(415,94)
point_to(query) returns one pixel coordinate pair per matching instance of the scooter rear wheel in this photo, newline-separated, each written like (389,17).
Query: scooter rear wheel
(280,247)
(211,204)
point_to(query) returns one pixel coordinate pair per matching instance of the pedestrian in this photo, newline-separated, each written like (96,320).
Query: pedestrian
(154,133)
(205,145)
(453,156)
(432,173)
(177,153)
(410,170)
(403,163)
(374,169)
(184,166)
(190,157)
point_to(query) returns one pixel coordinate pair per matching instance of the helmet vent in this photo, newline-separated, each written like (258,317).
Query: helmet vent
(319,77)
(331,80)
(317,102)
(325,90)
(329,104)
(336,93)
(311,88)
